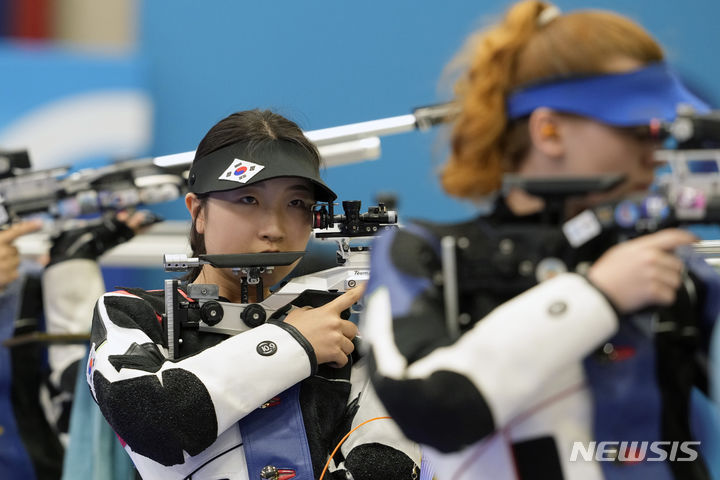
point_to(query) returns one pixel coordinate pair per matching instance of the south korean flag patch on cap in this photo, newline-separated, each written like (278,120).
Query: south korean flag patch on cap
(240,171)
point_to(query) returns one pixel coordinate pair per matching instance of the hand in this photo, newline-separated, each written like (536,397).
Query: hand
(330,335)
(92,240)
(642,272)
(138,221)
(9,255)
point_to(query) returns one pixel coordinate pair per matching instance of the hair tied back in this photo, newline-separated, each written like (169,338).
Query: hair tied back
(549,13)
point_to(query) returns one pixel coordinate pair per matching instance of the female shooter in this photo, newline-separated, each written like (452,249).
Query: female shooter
(271,402)
(528,380)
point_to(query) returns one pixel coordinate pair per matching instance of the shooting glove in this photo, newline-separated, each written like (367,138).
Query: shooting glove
(89,242)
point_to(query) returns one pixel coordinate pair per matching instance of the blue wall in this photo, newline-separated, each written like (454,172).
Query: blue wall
(326,62)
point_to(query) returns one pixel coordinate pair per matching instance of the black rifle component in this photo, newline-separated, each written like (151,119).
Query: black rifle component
(313,289)
(63,195)
(353,223)
(504,260)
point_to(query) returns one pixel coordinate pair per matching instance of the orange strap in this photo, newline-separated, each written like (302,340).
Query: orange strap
(343,440)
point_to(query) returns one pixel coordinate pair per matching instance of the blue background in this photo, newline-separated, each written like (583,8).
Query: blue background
(322,63)
(325,63)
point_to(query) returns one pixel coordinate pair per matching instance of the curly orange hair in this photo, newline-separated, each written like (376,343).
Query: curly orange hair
(519,51)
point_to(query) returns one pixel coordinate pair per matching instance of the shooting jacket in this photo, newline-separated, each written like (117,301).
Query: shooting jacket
(179,418)
(530,377)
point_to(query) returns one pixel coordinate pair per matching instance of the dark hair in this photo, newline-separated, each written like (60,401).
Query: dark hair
(256,128)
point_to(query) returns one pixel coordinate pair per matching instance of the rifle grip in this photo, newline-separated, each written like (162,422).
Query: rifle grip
(311,298)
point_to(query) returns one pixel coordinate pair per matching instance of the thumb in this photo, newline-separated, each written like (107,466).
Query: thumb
(667,239)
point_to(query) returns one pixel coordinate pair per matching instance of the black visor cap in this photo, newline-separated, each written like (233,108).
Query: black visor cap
(246,163)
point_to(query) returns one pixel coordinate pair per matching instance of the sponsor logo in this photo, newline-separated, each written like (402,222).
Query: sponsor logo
(266,348)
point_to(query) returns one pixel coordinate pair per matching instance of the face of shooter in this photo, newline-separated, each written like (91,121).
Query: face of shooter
(268,216)
(595,148)
(573,145)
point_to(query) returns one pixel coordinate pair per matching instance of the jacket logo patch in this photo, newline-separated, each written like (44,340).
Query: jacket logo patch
(266,348)
(557,308)
(240,171)
(90,369)
(91,363)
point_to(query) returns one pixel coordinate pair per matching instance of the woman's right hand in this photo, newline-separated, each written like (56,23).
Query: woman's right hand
(642,272)
(330,335)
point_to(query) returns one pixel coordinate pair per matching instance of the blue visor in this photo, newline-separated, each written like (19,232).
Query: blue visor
(620,99)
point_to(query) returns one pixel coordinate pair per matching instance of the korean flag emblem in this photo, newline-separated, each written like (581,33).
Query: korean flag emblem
(240,171)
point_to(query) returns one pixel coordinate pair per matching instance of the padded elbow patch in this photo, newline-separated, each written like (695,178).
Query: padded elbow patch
(444,410)
(374,461)
(159,420)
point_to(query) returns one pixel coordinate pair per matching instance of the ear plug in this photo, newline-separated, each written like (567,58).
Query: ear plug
(548,130)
